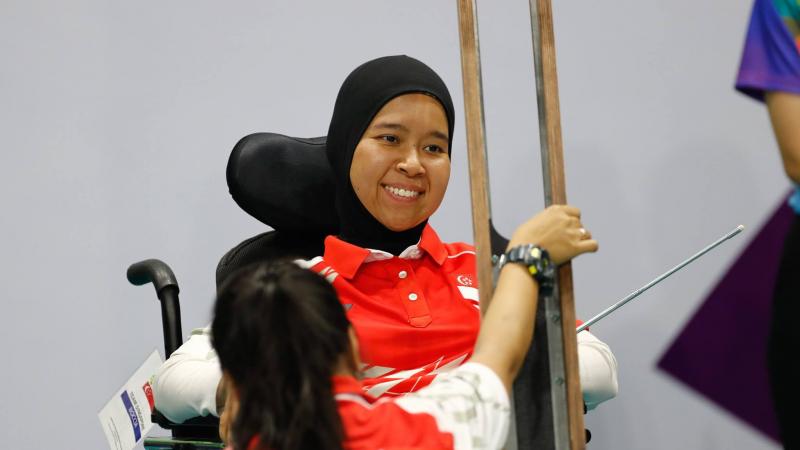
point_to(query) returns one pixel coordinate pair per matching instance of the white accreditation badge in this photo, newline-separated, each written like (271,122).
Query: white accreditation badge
(126,417)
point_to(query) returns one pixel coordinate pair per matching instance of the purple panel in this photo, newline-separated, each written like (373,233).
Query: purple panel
(721,353)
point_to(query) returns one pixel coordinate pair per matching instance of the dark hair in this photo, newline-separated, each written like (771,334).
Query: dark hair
(279,331)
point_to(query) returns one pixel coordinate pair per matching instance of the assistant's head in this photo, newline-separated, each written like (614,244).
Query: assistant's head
(389,147)
(280,333)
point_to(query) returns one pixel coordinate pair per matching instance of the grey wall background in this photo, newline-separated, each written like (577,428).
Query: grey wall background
(117,118)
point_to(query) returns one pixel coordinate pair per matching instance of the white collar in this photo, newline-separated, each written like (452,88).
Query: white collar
(412,252)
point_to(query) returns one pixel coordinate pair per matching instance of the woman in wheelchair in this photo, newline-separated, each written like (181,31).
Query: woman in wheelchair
(291,358)
(412,300)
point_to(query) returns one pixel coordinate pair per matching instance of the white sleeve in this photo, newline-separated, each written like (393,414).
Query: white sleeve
(470,403)
(598,370)
(186,384)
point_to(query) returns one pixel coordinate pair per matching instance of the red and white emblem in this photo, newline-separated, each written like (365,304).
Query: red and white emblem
(464,280)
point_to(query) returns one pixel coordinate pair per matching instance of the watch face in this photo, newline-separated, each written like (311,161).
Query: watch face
(536,252)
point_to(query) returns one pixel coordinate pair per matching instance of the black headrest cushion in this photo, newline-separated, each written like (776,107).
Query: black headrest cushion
(284,182)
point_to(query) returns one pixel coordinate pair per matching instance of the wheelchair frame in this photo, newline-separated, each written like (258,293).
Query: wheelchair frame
(199,433)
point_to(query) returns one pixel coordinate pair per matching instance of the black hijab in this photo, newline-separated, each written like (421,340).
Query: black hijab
(362,95)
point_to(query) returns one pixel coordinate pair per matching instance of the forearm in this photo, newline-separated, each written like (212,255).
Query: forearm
(186,384)
(598,370)
(507,328)
(784,113)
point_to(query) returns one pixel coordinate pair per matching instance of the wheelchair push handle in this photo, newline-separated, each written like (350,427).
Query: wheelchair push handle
(158,272)
(152,271)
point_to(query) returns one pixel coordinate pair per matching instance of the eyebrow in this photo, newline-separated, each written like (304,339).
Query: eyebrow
(396,126)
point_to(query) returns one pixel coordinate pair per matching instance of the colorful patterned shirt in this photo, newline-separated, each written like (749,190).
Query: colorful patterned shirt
(771,57)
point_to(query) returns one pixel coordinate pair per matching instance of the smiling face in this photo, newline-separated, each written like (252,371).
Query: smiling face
(401,165)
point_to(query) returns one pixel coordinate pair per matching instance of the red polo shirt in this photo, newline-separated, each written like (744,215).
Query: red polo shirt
(370,425)
(466,409)
(416,314)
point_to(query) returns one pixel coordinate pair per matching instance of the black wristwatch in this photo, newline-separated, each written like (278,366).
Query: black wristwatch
(538,262)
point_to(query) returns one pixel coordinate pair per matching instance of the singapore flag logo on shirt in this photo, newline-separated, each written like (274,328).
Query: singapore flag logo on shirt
(466,286)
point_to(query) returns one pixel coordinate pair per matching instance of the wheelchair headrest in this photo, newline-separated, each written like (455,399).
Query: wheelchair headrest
(284,182)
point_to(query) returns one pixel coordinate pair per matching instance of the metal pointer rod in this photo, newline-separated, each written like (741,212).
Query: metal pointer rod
(647,286)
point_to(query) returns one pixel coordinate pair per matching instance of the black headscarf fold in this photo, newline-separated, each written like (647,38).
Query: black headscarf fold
(362,95)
